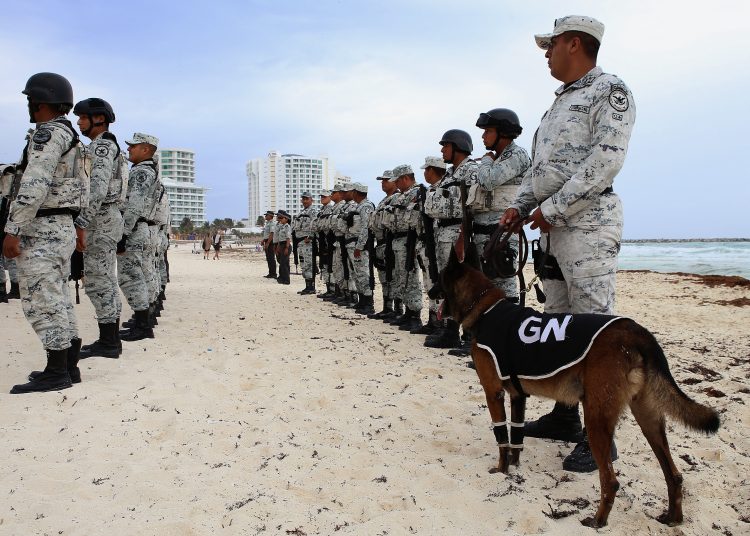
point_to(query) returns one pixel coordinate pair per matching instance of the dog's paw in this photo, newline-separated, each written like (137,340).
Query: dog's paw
(592,522)
(667,519)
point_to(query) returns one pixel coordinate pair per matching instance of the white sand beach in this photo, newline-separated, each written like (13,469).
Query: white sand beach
(257,411)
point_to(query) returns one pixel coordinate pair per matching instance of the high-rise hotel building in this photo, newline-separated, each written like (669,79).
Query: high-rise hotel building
(186,199)
(277,182)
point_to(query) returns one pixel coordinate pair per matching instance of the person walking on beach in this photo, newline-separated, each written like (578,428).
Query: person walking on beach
(579,148)
(218,235)
(283,243)
(206,245)
(40,233)
(268,229)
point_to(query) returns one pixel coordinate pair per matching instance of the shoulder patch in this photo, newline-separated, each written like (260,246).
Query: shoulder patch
(101,150)
(43,135)
(618,99)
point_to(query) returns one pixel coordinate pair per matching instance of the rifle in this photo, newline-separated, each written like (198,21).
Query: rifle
(315,270)
(370,247)
(429,238)
(330,241)
(295,243)
(467,220)
(389,256)
(76,270)
(344,257)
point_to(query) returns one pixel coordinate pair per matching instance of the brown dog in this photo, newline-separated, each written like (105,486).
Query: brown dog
(624,366)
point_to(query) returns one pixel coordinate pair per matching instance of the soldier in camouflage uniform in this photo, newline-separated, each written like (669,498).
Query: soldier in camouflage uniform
(498,178)
(51,188)
(103,223)
(132,268)
(444,205)
(579,148)
(337,226)
(150,268)
(407,229)
(380,234)
(304,233)
(434,169)
(161,243)
(357,240)
(321,227)
(268,231)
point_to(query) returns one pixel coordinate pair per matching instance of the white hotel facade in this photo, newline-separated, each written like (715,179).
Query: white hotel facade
(186,199)
(277,182)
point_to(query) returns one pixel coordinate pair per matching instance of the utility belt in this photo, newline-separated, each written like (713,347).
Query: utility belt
(447,222)
(56,212)
(351,240)
(483,229)
(148,222)
(401,234)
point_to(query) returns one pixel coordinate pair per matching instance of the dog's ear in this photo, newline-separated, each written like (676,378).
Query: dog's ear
(453,260)
(472,257)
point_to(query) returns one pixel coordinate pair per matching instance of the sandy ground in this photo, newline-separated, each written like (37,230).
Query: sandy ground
(257,411)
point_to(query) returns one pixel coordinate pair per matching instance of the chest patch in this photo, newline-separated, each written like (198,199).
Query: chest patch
(101,151)
(533,345)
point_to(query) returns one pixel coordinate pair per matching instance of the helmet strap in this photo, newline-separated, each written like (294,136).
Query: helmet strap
(33,109)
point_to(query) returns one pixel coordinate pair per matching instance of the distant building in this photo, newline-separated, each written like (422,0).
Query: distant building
(186,199)
(277,182)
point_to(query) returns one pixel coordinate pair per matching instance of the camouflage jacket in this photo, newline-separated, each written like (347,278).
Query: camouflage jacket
(360,215)
(322,221)
(578,148)
(501,177)
(444,202)
(376,224)
(102,152)
(141,186)
(302,225)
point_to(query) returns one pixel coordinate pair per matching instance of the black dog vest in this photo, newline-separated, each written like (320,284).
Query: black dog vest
(531,345)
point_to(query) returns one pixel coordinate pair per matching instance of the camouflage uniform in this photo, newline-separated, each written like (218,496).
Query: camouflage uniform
(338,225)
(150,251)
(578,150)
(356,238)
(302,227)
(406,211)
(161,241)
(268,229)
(103,223)
(500,178)
(378,230)
(444,205)
(321,224)
(48,241)
(132,267)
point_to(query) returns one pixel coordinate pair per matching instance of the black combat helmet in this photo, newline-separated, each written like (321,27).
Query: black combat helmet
(49,88)
(93,107)
(505,121)
(460,139)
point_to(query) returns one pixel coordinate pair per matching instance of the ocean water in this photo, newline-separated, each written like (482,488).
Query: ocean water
(720,258)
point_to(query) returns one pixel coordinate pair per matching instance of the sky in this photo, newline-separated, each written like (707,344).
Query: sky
(375,84)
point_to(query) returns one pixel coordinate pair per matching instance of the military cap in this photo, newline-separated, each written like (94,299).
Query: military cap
(348,187)
(306,194)
(337,188)
(139,137)
(400,171)
(283,214)
(434,161)
(270,213)
(325,193)
(359,187)
(387,175)
(572,23)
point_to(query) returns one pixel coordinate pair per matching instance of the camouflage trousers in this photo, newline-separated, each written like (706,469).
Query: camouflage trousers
(304,252)
(100,264)
(43,272)
(10,265)
(361,269)
(338,266)
(385,285)
(445,239)
(588,260)
(161,260)
(509,285)
(427,281)
(150,269)
(130,269)
(408,287)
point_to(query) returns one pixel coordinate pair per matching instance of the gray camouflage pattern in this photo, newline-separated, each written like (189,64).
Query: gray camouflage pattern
(501,177)
(378,229)
(304,231)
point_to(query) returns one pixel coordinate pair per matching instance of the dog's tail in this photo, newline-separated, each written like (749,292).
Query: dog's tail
(668,396)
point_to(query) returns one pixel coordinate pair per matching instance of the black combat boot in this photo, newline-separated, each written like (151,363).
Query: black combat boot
(107,345)
(342,296)
(580,460)
(54,377)
(563,423)
(432,324)
(72,363)
(447,337)
(309,287)
(129,323)
(366,305)
(3,294)
(329,292)
(162,295)
(15,293)
(398,309)
(152,315)
(387,308)
(141,330)
(411,320)
(335,294)
(353,300)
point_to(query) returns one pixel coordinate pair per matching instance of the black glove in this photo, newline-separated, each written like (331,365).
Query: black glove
(445,193)
(121,244)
